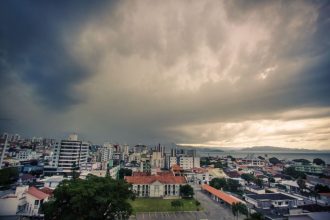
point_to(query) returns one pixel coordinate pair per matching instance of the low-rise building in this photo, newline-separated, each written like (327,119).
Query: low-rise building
(34,199)
(156,185)
(271,200)
(325,198)
(309,168)
(26,201)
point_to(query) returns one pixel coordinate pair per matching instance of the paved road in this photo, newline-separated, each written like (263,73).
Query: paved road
(214,210)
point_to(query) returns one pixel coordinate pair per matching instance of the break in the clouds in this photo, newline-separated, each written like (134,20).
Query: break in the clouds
(213,73)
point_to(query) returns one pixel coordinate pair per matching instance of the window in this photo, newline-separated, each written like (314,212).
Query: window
(279,203)
(36,202)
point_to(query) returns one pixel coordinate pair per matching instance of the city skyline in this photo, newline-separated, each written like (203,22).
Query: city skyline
(198,73)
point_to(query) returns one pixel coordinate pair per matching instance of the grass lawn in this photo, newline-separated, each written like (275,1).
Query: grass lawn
(162,205)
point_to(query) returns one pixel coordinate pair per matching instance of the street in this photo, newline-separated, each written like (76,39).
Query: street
(213,210)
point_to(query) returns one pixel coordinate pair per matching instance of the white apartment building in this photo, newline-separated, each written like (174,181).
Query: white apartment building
(135,157)
(189,162)
(172,161)
(70,154)
(106,152)
(157,160)
(3,147)
(185,162)
(27,154)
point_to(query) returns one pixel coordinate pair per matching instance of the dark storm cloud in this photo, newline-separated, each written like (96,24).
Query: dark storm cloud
(33,45)
(208,72)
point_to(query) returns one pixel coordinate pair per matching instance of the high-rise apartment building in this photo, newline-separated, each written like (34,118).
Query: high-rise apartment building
(70,154)
(107,151)
(3,146)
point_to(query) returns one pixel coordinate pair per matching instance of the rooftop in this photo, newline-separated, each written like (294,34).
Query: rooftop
(47,190)
(165,179)
(222,195)
(37,193)
(270,196)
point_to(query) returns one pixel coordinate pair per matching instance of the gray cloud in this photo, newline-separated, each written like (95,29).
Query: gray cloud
(148,71)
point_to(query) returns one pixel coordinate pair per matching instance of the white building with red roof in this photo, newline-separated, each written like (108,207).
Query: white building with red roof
(156,185)
(26,201)
(34,199)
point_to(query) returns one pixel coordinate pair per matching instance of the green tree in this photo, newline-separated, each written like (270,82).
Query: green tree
(239,208)
(271,180)
(8,176)
(177,203)
(259,182)
(124,172)
(92,198)
(303,161)
(218,165)
(232,185)
(302,184)
(186,191)
(218,183)
(291,171)
(205,161)
(255,216)
(314,193)
(319,161)
(321,189)
(274,160)
(248,177)
(75,173)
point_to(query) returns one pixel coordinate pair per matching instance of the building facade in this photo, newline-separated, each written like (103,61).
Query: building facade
(309,168)
(70,154)
(156,185)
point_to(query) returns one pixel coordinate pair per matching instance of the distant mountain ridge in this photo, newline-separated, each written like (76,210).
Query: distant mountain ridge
(275,149)
(203,148)
(254,149)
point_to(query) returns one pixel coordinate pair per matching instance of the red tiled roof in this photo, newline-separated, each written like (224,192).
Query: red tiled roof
(166,173)
(47,190)
(233,174)
(222,195)
(165,179)
(139,173)
(37,193)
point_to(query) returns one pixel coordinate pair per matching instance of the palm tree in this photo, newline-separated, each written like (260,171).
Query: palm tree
(302,184)
(239,208)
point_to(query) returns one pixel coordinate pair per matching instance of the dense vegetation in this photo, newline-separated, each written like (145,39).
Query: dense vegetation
(8,176)
(303,161)
(205,161)
(319,161)
(239,208)
(291,171)
(227,185)
(93,198)
(274,160)
(124,172)
(186,191)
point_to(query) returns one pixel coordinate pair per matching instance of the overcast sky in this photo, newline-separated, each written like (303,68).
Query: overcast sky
(214,73)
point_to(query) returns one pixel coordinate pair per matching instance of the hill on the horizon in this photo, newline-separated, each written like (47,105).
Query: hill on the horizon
(272,148)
